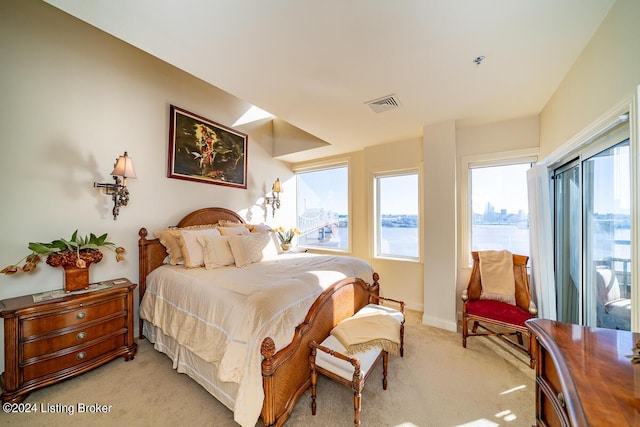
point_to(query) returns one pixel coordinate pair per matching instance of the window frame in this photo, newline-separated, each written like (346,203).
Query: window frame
(504,158)
(375,213)
(321,166)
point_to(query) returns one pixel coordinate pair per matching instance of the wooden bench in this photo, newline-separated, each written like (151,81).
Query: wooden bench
(330,358)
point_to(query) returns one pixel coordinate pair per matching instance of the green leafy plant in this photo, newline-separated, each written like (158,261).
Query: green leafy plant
(78,251)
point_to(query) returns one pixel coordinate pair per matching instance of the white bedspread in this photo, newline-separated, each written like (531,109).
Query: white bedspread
(222,315)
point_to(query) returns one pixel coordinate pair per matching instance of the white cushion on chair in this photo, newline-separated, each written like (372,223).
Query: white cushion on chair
(341,367)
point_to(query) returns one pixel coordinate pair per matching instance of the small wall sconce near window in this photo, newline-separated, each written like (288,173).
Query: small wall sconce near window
(274,199)
(122,170)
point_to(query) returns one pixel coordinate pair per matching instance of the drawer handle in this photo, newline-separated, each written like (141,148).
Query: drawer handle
(561,400)
(81,336)
(81,315)
(81,355)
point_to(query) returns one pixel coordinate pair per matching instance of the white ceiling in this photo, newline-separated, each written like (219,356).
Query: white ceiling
(315,64)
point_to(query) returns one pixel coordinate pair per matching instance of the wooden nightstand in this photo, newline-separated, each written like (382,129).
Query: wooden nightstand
(50,341)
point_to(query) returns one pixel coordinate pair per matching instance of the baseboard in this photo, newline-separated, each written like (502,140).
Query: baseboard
(439,323)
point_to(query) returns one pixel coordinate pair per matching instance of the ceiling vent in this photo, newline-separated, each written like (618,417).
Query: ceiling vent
(386,103)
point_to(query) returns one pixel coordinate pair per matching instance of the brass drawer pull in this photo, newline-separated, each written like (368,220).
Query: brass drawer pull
(81,355)
(81,315)
(81,336)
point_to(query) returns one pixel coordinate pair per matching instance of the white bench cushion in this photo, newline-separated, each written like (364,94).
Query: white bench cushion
(375,308)
(341,367)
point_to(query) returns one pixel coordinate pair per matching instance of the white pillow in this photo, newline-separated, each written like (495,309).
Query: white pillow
(191,249)
(216,251)
(252,248)
(259,228)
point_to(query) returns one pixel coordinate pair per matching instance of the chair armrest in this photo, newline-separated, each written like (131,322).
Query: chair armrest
(533,310)
(465,295)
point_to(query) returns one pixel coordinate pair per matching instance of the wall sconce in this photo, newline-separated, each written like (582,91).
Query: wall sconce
(274,199)
(123,169)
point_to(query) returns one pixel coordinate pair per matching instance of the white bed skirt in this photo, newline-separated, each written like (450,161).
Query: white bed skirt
(185,362)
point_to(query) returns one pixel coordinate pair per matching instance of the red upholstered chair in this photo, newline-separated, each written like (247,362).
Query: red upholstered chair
(497,318)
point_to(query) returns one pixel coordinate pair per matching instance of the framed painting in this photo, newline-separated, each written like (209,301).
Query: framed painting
(205,151)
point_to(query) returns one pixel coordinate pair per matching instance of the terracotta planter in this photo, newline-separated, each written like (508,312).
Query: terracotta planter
(76,278)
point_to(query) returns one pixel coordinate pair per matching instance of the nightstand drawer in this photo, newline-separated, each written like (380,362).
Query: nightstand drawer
(32,327)
(72,338)
(72,359)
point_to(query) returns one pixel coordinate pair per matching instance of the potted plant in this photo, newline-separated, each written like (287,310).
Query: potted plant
(74,255)
(286,236)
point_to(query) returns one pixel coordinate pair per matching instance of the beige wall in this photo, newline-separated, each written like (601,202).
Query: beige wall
(440,230)
(607,72)
(73,99)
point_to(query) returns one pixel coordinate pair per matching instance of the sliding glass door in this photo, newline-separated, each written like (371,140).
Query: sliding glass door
(607,246)
(592,204)
(567,242)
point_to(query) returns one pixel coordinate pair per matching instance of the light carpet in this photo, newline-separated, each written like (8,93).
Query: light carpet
(437,383)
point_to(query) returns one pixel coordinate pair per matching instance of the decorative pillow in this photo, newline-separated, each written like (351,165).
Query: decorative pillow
(191,249)
(252,248)
(263,228)
(216,251)
(233,230)
(169,239)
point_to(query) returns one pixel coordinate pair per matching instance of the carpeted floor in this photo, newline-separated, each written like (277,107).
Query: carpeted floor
(437,383)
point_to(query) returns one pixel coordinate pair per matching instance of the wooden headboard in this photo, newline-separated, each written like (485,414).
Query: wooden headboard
(151,253)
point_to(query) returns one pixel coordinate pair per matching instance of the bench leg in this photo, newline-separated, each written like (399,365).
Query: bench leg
(385,362)
(357,406)
(314,380)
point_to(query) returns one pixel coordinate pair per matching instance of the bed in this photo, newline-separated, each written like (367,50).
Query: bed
(245,347)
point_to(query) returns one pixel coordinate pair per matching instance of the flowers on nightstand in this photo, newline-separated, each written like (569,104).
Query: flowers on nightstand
(286,236)
(78,251)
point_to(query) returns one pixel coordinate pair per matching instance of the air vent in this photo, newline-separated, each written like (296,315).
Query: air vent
(386,103)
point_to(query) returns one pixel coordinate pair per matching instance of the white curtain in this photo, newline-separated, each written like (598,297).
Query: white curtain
(541,240)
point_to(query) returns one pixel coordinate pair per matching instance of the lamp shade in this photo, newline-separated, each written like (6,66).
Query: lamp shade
(124,167)
(276,186)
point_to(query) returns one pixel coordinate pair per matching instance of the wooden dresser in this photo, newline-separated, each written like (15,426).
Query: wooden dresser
(53,340)
(583,377)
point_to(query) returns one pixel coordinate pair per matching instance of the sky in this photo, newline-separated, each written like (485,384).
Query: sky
(402,199)
(505,187)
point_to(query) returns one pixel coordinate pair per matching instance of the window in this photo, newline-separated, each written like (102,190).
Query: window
(323,207)
(397,234)
(499,207)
